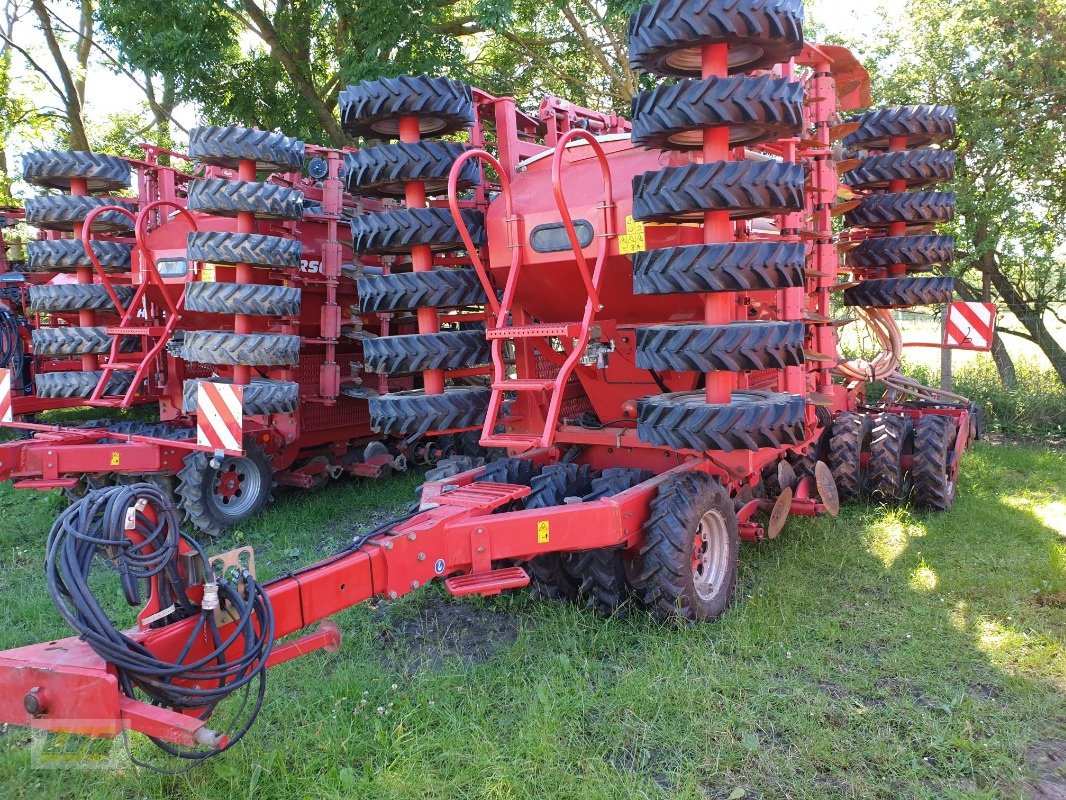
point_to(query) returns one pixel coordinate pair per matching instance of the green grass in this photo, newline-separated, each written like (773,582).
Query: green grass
(884,654)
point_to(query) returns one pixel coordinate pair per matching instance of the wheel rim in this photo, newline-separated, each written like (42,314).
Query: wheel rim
(738,135)
(691,59)
(710,554)
(235,486)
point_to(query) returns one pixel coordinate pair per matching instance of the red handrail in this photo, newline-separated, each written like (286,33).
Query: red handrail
(86,229)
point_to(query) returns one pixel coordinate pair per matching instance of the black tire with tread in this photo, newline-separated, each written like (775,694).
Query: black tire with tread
(228,145)
(743,188)
(76,341)
(61,297)
(737,347)
(399,230)
(550,577)
(71,385)
(515,471)
(223,247)
(666,37)
(225,198)
(916,168)
(66,255)
(421,351)
(602,571)
(914,208)
(934,446)
(60,213)
(415,412)
(261,396)
(921,125)
(250,349)
(751,421)
(242,298)
(673,116)
(914,251)
(406,291)
(902,292)
(848,440)
(373,108)
(55,169)
(891,439)
(732,267)
(384,170)
(666,581)
(195,480)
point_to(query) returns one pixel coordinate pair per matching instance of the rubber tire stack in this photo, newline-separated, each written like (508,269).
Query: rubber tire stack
(227,147)
(919,168)
(665,38)
(56,169)
(373,109)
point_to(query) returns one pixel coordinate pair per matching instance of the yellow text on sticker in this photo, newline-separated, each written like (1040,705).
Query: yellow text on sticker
(207,273)
(114,458)
(542,532)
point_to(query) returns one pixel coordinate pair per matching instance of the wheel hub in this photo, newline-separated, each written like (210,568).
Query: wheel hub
(710,554)
(235,486)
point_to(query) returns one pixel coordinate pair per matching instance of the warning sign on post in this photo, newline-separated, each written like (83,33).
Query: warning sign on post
(219,415)
(970,326)
(632,241)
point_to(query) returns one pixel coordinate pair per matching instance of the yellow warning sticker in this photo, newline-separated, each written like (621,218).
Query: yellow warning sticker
(114,458)
(542,532)
(632,241)
(207,273)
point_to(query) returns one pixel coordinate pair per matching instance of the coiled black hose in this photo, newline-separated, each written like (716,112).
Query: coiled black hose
(12,350)
(96,526)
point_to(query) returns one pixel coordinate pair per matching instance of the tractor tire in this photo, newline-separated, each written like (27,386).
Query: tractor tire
(406,291)
(399,230)
(602,570)
(421,351)
(737,347)
(515,471)
(673,116)
(914,251)
(848,440)
(743,188)
(415,412)
(688,561)
(385,170)
(752,421)
(733,267)
(916,168)
(57,169)
(68,385)
(62,211)
(891,440)
(233,349)
(914,208)
(373,109)
(921,126)
(227,198)
(243,298)
(666,37)
(87,483)
(228,146)
(77,341)
(222,247)
(63,297)
(902,292)
(261,396)
(551,579)
(934,451)
(216,500)
(66,255)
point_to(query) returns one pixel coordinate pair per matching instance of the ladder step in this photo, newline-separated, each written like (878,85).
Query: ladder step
(514,441)
(525,385)
(536,331)
(487,583)
(129,366)
(44,484)
(137,330)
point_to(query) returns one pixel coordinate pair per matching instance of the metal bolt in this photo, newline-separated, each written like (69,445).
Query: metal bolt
(414,584)
(481,549)
(421,556)
(480,530)
(388,545)
(393,595)
(411,536)
(34,703)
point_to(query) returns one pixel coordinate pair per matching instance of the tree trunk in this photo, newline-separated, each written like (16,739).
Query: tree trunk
(71,99)
(1033,323)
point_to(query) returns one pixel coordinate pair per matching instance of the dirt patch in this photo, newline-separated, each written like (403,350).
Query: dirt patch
(1047,760)
(445,632)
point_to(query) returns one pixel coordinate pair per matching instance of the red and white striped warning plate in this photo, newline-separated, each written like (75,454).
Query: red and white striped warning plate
(970,326)
(7,413)
(219,415)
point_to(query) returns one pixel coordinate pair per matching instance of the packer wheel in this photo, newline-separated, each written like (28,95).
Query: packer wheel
(551,578)
(399,230)
(243,298)
(921,125)
(913,208)
(227,198)
(902,292)
(80,384)
(251,349)
(66,255)
(61,212)
(406,291)
(849,440)
(415,413)
(384,170)
(217,499)
(916,168)
(737,347)
(934,452)
(227,146)
(55,169)
(914,251)
(373,109)
(891,440)
(222,247)
(732,267)
(76,341)
(77,296)
(261,396)
(421,351)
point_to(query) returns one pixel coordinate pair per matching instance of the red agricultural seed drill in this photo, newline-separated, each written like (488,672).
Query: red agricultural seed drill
(665,371)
